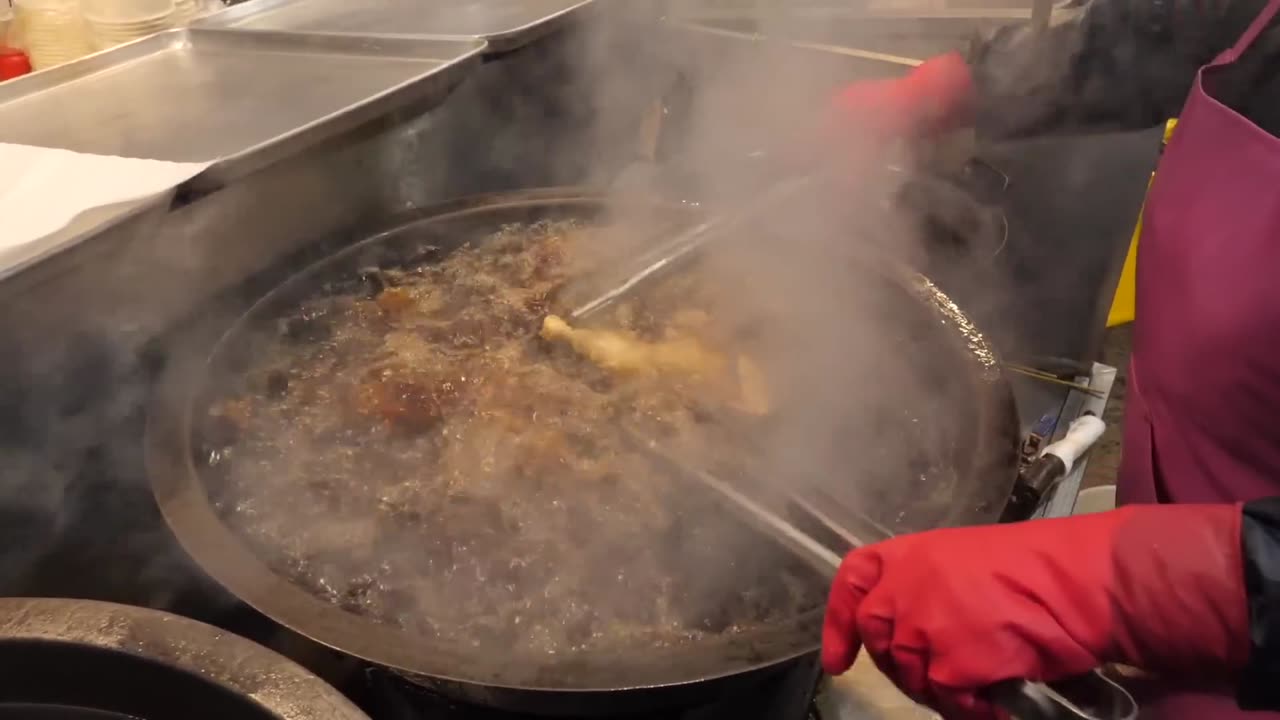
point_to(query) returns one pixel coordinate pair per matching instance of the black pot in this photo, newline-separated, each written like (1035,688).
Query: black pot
(648,680)
(88,660)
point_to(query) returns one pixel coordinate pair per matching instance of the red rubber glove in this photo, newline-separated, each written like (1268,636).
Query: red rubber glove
(945,614)
(935,96)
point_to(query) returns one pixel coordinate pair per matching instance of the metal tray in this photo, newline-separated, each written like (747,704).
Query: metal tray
(505,24)
(238,100)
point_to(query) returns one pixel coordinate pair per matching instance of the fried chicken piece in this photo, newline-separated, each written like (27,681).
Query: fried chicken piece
(239,411)
(753,393)
(624,353)
(394,300)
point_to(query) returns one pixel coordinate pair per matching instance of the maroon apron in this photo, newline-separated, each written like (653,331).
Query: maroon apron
(1204,379)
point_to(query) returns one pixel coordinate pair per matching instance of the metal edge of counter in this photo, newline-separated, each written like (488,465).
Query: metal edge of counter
(453,60)
(93,221)
(498,42)
(871,25)
(894,62)
(918,20)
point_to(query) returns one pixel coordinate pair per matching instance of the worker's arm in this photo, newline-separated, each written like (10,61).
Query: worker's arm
(1101,64)
(1188,592)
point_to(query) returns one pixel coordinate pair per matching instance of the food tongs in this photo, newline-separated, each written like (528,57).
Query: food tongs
(797,520)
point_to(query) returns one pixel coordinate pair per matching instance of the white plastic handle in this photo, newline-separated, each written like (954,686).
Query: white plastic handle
(1083,432)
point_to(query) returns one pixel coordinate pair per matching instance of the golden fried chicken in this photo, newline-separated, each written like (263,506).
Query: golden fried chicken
(623,352)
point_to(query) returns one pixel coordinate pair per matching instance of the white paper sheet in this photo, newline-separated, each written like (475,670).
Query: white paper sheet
(42,190)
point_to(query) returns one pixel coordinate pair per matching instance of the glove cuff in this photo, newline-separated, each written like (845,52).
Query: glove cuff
(1179,592)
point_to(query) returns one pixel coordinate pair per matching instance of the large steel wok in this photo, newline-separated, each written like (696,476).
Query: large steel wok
(984,429)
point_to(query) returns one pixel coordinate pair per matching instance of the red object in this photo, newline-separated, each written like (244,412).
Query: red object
(935,96)
(948,613)
(13,63)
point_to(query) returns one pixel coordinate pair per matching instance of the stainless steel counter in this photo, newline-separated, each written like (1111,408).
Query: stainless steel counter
(239,101)
(503,24)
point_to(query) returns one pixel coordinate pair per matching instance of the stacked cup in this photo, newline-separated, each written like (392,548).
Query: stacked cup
(208,7)
(51,31)
(6,20)
(184,11)
(113,22)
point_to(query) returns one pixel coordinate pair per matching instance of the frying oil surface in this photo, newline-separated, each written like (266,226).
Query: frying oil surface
(415,452)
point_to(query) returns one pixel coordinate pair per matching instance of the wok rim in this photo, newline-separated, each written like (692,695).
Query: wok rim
(226,557)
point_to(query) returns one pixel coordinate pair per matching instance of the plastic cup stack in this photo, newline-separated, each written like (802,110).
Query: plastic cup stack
(184,11)
(6,22)
(51,31)
(113,22)
(208,7)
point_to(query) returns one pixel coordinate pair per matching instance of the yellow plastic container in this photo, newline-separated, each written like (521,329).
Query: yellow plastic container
(1122,303)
